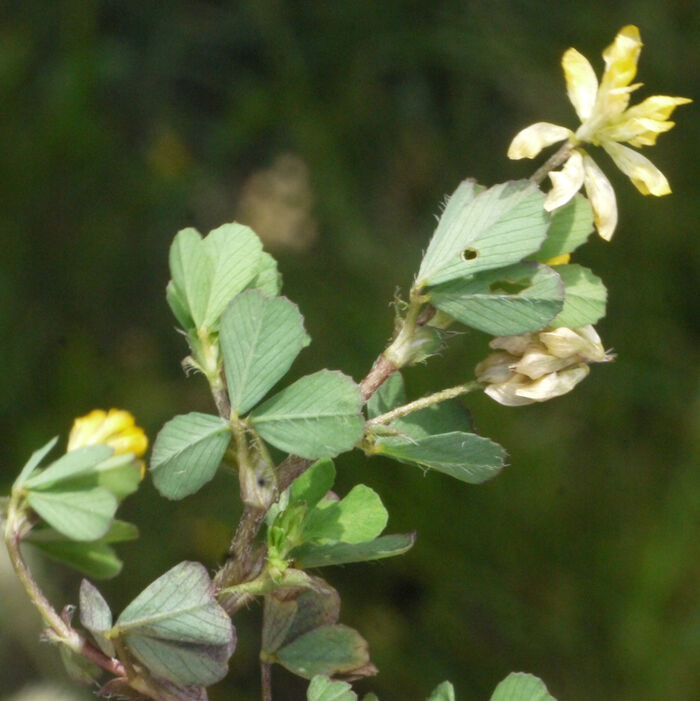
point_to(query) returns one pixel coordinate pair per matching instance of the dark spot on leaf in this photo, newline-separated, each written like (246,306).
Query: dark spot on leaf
(469,254)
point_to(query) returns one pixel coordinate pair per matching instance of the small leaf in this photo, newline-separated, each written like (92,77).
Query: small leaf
(191,271)
(176,628)
(260,337)
(187,453)
(96,616)
(327,650)
(358,517)
(234,253)
(443,692)
(69,466)
(504,302)
(79,668)
(389,395)
(83,516)
(497,227)
(95,559)
(519,686)
(311,486)
(309,555)
(464,456)
(318,416)
(584,300)
(323,689)
(179,308)
(33,462)
(120,474)
(268,279)
(571,225)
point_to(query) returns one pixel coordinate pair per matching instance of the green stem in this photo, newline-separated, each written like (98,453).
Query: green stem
(425,402)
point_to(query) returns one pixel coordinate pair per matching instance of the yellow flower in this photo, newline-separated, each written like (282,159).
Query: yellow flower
(535,367)
(607,121)
(115,428)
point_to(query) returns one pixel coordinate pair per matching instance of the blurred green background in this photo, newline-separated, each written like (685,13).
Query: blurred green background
(335,129)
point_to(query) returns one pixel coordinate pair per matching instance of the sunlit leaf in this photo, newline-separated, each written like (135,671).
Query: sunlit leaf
(585,297)
(519,686)
(309,555)
(444,692)
(323,689)
(34,462)
(313,484)
(69,466)
(571,225)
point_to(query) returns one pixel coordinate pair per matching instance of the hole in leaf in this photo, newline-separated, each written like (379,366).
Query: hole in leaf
(469,254)
(507,287)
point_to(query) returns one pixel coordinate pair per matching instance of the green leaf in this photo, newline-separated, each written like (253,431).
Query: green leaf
(234,252)
(69,466)
(585,297)
(323,689)
(495,228)
(327,650)
(358,517)
(176,628)
(187,453)
(33,462)
(504,302)
(268,279)
(310,555)
(311,486)
(389,395)
(96,616)
(120,474)
(260,337)
(84,515)
(179,308)
(571,225)
(464,456)
(79,668)
(443,692)
(191,271)
(96,559)
(318,416)
(519,686)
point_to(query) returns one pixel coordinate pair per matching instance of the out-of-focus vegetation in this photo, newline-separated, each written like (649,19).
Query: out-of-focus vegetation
(334,129)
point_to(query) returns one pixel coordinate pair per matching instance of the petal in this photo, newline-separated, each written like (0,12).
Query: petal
(515,345)
(645,176)
(495,368)
(621,58)
(537,363)
(602,198)
(658,107)
(582,343)
(507,393)
(563,259)
(565,183)
(531,140)
(581,82)
(555,384)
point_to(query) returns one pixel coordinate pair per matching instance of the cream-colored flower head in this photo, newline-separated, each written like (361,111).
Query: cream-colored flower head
(607,121)
(535,367)
(115,428)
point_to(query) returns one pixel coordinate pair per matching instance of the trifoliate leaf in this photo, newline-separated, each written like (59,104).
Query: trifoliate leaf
(584,300)
(33,462)
(519,686)
(82,515)
(359,517)
(260,337)
(187,452)
(176,628)
(464,456)
(323,689)
(571,225)
(309,555)
(520,298)
(318,416)
(492,229)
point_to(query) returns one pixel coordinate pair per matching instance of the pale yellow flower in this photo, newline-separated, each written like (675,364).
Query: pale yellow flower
(535,367)
(607,121)
(115,428)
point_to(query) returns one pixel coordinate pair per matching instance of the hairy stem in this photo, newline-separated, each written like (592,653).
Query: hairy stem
(554,161)
(425,402)
(266,680)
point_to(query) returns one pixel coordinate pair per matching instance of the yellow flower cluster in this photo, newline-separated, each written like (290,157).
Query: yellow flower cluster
(607,121)
(115,428)
(535,367)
